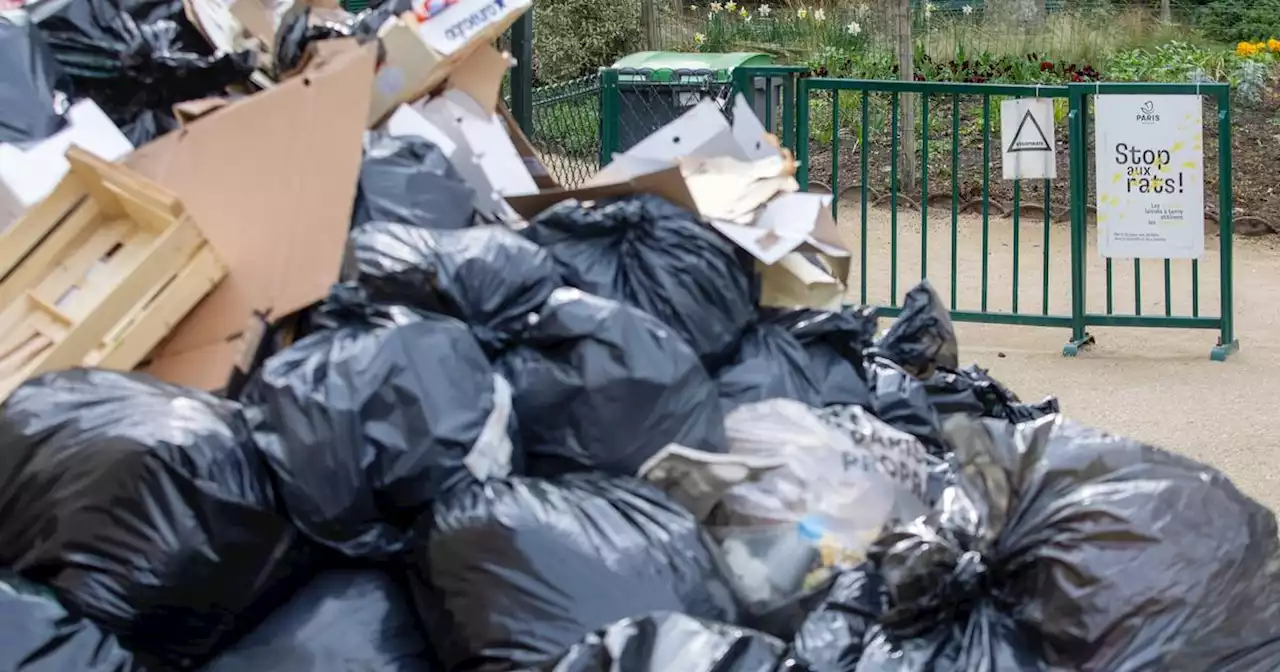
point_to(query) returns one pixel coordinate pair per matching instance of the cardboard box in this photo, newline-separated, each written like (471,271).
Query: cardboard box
(30,173)
(271,179)
(420,54)
(462,121)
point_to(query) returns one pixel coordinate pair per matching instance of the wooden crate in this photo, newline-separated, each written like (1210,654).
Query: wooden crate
(98,273)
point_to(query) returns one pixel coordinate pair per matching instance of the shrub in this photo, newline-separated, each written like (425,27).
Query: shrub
(1236,20)
(575,37)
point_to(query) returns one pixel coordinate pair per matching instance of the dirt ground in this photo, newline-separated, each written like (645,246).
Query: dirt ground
(1155,385)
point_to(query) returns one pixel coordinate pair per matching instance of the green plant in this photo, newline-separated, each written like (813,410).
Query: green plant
(573,38)
(1240,20)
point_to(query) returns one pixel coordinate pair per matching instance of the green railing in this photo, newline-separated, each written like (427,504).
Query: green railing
(880,110)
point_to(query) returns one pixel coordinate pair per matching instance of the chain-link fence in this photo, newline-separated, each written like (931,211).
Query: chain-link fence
(566,128)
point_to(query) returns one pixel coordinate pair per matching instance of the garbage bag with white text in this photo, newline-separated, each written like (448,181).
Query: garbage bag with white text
(1064,547)
(603,386)
(834,342)
(136,71)
(410,181)
(923,337)
(400,406)
(38,635)
(516,571)
(973,391)
(647,252)
(490,277)
(769,364)
(671,642)
(342,620)
(33,88)
(145,507)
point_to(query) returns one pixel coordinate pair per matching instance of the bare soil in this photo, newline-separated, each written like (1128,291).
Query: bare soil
(1155,385)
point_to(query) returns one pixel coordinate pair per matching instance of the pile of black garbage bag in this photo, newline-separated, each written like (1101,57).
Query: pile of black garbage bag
(443,472)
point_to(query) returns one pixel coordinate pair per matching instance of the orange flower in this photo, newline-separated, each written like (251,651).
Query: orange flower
(1273,45)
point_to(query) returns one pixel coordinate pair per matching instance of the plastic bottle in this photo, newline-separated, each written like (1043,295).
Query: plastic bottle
(793,556)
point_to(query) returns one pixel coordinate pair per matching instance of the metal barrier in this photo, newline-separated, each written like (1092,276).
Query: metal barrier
(868,98)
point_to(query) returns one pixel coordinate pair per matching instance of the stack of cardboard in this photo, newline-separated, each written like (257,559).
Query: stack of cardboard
(268,181)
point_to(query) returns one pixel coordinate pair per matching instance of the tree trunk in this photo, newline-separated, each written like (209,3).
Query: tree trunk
(906,107)
(1166,11)
(649,19)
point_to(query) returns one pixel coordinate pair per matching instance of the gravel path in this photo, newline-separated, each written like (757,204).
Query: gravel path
(1155,385)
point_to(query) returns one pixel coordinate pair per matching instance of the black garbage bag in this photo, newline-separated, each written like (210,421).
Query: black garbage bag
(831,637)
(343,620)
(136,72)
(901,400)
(516,571)
(490,277)
(301,25)
(602,386)
(145,507)
(410,181)
(769,364)
(1065,548)
(670,642)
(973,391)
(646,252)
(33,88)
(401,406)
(835,342)
(923,337)
(38,635)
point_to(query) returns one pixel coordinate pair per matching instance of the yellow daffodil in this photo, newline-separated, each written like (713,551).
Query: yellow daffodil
(802,13)
(731,5)
(699,38)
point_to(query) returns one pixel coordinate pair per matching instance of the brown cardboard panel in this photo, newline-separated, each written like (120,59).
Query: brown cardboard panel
(666,183)
(271,178)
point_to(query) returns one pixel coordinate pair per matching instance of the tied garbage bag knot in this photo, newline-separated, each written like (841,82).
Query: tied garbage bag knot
(652,254)
(1097,553)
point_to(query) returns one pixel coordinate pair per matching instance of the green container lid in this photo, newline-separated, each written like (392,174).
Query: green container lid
(662,63)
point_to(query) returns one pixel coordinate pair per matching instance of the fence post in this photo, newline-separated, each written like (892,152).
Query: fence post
(1078,175)
(802,135)
(1227,342)
(609,113)
(522,74)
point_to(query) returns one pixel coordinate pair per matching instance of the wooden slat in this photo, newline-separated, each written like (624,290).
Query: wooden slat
(138,334)
(113,265)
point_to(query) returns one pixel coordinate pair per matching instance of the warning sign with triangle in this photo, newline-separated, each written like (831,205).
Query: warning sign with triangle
(1029,137)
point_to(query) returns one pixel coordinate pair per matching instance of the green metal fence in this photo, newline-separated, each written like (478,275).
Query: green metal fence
(1062,264)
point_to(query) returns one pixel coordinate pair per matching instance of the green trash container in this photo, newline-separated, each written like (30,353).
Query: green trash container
(656,87)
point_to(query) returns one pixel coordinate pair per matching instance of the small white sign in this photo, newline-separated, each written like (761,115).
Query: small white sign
(1026,139)
(1149,167)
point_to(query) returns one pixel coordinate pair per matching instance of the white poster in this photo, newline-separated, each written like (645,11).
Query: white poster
(1026,139)
(1150,176)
